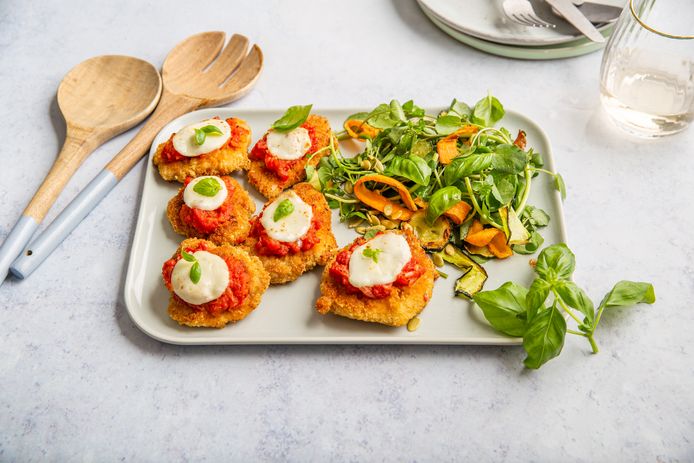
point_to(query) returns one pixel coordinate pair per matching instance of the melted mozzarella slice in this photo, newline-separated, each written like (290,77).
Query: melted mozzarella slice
(184,140)
(291,227)
(195,200)
(387,254)
(290,145)
(214,278)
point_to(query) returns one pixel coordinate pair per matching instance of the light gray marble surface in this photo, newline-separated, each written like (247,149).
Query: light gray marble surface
(79,382)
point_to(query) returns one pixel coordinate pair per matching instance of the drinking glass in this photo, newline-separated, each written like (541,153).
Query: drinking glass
(647,73)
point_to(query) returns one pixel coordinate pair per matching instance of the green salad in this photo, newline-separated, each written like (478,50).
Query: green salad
(459,182)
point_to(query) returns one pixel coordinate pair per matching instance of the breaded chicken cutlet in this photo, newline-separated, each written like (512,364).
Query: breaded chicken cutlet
(214,208)
(209,147)
(387,279)
(278,160)
(292,234)
(212,285)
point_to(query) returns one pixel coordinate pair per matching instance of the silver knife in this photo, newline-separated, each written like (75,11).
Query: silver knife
(599,12)
(573,15)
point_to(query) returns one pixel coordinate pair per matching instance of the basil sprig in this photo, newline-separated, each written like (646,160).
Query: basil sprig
(202,133)
(531,313)
(293,118)
(372,253)
(208,186)
(284,208)
(195,270)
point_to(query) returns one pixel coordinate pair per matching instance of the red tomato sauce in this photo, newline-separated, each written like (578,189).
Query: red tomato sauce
(340,272)
(267,246)
(169,153)
(206,222)
(232,297)
(281,167)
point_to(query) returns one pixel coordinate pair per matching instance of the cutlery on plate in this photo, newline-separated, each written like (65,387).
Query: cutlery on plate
(574,16)
(595,12)
(198,72)
(532,12)
(99,99)
(522,12)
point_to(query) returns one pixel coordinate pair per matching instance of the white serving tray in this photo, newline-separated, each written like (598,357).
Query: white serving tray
(286,314)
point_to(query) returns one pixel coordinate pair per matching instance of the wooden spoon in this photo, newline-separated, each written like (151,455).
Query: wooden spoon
(198,72)
(99,98)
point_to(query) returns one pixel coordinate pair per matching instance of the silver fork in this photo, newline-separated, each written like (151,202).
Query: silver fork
(522,12)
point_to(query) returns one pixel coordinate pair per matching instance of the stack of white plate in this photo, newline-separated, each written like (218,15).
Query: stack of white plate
(482,24)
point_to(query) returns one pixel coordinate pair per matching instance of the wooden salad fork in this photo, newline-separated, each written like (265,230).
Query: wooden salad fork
(99,99)
(198,72)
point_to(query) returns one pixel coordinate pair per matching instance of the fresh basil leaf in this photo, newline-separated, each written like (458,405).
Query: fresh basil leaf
(544,337)
(442,200)
(560,185)
(284,208)
(208,186)
(464,166)
(293,118)
(211,130)
(187,256)
(199,137)
(531,246)
(627,293)
(446,125)
(412,168)
(195,272)
(556,262)
(396,111)
(460,109)
(504,308)
(576,298)
(509,159)
(488,111)
(372,253)
(537,295)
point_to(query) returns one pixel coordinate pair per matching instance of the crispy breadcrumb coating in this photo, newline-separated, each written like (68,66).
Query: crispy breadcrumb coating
(394,310)
(292,266)
(269,185)
(218,162)
(259,282)
(233,231)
